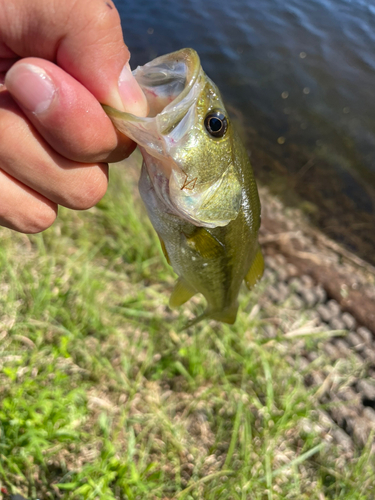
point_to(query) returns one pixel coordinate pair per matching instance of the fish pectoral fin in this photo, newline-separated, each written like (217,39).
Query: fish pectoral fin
(181,293)
(256,270)
(164,249)
(205,244)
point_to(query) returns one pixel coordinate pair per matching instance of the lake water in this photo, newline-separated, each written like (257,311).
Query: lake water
(299,78)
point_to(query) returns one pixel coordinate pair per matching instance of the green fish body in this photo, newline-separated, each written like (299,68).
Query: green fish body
(196,182)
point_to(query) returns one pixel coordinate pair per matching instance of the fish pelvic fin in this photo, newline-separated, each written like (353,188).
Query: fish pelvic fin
(256,270)
(181,293)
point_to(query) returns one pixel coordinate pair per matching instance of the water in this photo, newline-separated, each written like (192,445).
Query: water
(300,79)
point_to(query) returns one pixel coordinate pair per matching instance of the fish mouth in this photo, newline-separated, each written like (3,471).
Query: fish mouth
(172,84)
(167,81)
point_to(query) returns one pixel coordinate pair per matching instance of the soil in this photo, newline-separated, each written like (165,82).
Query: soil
(337,289)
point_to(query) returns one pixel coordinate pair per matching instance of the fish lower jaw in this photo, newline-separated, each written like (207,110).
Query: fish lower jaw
(197,220)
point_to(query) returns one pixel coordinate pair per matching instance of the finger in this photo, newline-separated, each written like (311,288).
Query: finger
(6,52)
(6,63)
(7,59)
(65,113)
(25,156)
(84,37)
(22,209)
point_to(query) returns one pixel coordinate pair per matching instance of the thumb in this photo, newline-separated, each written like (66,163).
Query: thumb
(84,38)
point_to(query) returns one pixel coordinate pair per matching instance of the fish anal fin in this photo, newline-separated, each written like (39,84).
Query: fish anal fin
(163,247)
(256,270)
(205,244)
(180,294)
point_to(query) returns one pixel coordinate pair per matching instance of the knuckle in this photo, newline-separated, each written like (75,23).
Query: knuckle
(97,17)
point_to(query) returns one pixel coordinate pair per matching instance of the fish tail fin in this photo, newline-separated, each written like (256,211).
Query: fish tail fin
(194,321)
(256,270)
(227,315)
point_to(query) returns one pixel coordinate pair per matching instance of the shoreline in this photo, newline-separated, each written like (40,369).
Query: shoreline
(336,289)
(347,278)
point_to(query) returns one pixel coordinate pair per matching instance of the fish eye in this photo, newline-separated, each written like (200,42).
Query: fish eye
(216,123)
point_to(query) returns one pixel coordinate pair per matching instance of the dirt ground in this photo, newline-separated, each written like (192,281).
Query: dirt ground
(338,288)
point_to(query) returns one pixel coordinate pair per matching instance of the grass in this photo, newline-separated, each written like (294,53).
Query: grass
(101,398)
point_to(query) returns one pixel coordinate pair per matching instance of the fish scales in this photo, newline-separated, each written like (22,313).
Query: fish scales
(197,183)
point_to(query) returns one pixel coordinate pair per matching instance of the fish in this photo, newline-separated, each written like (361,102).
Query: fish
(197,184)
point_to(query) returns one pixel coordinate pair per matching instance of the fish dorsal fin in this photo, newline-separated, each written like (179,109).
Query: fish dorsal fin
(256,270)
(205,244)
(181,293)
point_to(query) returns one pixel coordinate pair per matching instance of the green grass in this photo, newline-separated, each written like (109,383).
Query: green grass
(101,398)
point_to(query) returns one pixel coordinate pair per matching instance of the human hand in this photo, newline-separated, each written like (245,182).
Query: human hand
(58,61)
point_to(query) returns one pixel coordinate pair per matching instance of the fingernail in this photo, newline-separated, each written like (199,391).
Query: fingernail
(31,87)
(132,96)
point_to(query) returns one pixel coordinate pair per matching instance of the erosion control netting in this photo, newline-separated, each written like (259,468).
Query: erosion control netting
(334,291)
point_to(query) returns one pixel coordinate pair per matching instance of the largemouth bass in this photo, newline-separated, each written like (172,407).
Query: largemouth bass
(197,183)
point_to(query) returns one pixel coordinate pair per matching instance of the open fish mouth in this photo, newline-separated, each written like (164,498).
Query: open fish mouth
(173,85)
